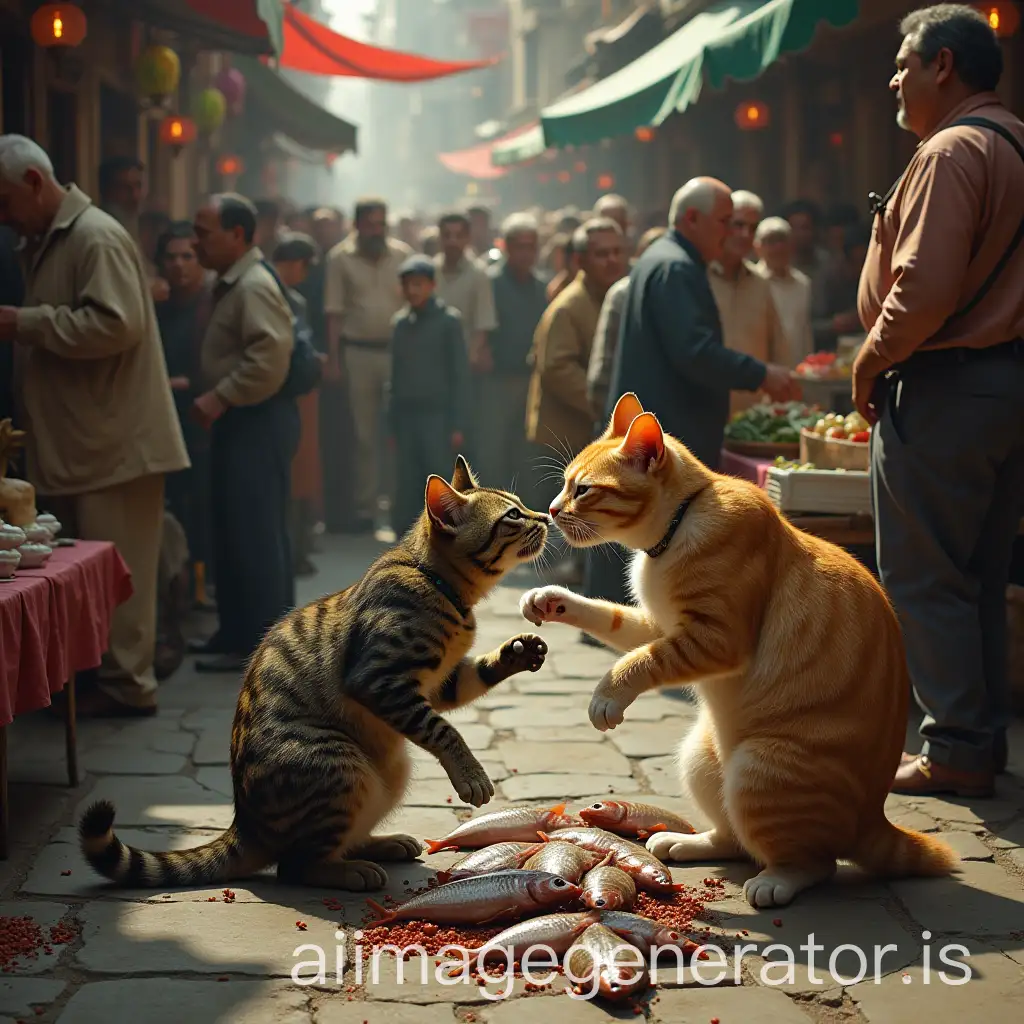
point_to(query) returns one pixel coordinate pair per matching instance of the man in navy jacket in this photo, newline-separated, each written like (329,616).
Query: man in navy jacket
(671,352)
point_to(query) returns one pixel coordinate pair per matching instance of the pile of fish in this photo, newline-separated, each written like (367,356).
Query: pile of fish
(527,860)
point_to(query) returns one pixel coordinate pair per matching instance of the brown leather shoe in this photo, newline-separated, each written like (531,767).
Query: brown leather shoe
(920,776)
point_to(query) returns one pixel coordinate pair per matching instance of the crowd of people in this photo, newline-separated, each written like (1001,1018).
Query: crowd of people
(259,368)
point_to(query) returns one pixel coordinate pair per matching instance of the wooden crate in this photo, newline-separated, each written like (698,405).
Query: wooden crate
(828,453)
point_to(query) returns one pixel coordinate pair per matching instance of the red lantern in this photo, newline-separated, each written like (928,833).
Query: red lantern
(59,25)
(229,166)
(1003,18)
(177,132)
(752,116)
(605,182)
(580,167)
(836,140)
(329,159)
(644,134)
(543,177)
(564,177)
(231,83)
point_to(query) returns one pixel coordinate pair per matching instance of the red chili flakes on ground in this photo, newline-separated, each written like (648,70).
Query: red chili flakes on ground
(301,925)
(714,1020)
(67,872)
(24,937)
(777,922)
(678,911)
(211,899)
(229,896)
(223,977)
(448,799)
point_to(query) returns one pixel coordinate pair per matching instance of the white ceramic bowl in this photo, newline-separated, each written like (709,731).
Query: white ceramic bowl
(51,522)
(10,558)
(36,533)
(11,536)
(34,556)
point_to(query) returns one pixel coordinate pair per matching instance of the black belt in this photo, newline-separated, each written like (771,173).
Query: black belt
(958,356)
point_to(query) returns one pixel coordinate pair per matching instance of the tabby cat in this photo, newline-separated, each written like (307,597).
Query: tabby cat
(318,752)
(792,648)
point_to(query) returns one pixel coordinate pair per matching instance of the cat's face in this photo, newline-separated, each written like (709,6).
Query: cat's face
(613,485)
(491,530)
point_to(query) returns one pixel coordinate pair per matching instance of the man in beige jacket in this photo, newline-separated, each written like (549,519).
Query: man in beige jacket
(93,394)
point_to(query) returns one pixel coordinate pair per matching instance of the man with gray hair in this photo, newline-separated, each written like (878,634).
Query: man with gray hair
(519,303)
(617,208)
(790,289)
(942,299)
(671,352)
(750,322)
(93,394)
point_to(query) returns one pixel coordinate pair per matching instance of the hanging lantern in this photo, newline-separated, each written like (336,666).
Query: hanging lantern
(564,177)
(543,177)
(177,132)
(230,166)
(157,74)
(61,25)
(836,140)
(752,116)
(329,159)
(209,110)
(580,167)
(644,134)
(231,83)
(605,182)
(1003,18)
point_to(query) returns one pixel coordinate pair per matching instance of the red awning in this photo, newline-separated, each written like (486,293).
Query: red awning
(313,47)
(240,16)
(475,162)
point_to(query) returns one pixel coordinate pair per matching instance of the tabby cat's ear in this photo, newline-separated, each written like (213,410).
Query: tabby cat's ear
(445,506)
(462,478)
(644,443)
(627,408)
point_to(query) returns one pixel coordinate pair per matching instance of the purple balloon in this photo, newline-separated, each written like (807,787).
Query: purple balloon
(231,83)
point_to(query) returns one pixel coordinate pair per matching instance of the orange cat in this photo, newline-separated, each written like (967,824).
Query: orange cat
(792,648)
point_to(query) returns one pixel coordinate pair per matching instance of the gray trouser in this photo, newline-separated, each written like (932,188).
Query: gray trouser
(500,441)
(948,485)
(422,446)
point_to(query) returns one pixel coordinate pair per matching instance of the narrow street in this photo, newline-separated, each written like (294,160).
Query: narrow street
(167,958)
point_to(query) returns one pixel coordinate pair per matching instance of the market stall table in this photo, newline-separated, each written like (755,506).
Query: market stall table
(747,467)
(54,622)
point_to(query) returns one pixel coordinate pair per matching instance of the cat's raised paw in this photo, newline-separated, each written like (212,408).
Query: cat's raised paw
(606,713)
(524,653)
(547,604)
(473,785)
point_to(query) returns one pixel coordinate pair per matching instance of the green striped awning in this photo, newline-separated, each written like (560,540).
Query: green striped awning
(736,39)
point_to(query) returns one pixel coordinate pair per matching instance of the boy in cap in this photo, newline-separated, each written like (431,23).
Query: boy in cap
(429,388)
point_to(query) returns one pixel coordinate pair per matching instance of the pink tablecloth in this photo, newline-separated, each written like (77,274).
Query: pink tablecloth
(55,621)
(745,466)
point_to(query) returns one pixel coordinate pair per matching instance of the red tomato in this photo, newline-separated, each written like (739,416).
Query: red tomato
(861,436)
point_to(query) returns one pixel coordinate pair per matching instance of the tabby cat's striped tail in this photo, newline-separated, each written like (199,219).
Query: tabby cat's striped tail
(894,852)
(220,861)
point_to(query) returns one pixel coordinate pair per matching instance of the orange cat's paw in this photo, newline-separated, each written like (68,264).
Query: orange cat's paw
(606,712)
(547,604)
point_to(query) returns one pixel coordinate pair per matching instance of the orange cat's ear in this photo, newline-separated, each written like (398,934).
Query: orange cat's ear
(462,478)
(627,408)
(644,443)
(445,506)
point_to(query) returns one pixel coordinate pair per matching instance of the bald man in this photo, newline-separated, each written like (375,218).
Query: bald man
(671,352)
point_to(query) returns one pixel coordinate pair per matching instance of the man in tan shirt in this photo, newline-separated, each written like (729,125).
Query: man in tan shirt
(948,445)
(750,323)
(790,288)
(254,432)
(361,295)
(92,389)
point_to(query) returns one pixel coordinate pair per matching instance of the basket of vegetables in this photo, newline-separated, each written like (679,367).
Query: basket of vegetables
(837,442)
(769,429)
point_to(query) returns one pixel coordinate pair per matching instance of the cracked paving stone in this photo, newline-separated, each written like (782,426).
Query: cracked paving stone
(161,800)
(430,769)
(216,778)
(980,899)
(117,760)
(990,995)
(167,1001)
(581,758)
(650,739)
(423,822)
(204,938)
(730,1005)
(44,915)
(558,734)
(554,686)
(553,786)
(434,793)
(527,714)
(966,845)
(335,1010)
(663,775)
(19,995)
(988,812)
(213,747)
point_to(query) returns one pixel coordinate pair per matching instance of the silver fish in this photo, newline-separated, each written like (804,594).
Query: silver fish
(646,934)
(629,819)
(648,872)
(565,859)
(511,825)
(500,857)
(619,967)
(554,932)
(608,888)
(483,898)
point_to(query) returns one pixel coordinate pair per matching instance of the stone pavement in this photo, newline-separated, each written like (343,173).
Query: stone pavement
(189,956)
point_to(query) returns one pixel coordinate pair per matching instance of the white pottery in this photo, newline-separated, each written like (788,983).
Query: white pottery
(11,536)
(36,533)
(34,556)
(9,561)
(51,522)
